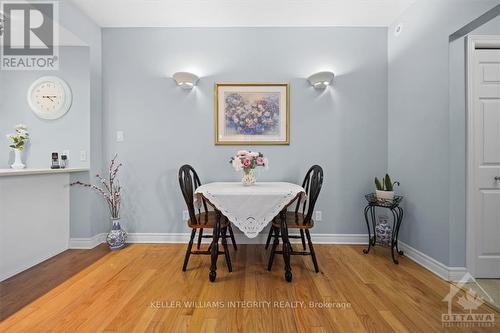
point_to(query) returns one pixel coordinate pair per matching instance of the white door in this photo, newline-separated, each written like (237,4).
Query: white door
(484,157)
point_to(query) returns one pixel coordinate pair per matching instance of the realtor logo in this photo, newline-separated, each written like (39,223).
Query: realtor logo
(468,305)
(29,35)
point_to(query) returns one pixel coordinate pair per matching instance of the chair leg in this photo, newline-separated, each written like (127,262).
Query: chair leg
(188,251)
(268,241)
(200,237)
(311,249)
(231,234)
(303,239)
(273,249)
(226,250)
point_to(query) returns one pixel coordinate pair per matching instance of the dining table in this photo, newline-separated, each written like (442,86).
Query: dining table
(250,208)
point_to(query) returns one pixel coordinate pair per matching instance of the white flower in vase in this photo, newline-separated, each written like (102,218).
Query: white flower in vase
(237,165)
(18,143)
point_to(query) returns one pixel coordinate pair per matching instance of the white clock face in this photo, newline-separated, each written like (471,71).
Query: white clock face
(49,97)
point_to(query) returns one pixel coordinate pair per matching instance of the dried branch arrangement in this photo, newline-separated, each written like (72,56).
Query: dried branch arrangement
(110,188)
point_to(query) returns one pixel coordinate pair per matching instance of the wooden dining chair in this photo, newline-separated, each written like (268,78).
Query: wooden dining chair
(301,218)
(201,218)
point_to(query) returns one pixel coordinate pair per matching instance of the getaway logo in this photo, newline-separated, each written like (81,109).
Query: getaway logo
(29,35)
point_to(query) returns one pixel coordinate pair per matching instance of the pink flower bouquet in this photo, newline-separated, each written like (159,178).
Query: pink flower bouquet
(248,161)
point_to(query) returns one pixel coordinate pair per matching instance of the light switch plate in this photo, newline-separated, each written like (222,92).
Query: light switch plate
(185,215)
(318,216)
(83,155)
(119,136)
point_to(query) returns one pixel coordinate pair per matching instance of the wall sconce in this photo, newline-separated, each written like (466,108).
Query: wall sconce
(186,80)
(321,80)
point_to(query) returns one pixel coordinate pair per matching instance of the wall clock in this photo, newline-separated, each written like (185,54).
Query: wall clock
(50,97)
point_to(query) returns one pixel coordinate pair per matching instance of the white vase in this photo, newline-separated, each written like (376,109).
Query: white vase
(18,163)
(385,195)
(248,178)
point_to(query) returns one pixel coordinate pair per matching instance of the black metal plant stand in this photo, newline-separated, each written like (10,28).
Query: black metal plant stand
(397,213)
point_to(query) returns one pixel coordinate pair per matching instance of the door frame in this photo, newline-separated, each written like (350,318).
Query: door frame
(472,42)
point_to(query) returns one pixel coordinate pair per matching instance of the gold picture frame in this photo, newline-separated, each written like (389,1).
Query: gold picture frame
(259,114)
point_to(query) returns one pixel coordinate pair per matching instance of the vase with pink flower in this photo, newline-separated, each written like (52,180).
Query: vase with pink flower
(248,162)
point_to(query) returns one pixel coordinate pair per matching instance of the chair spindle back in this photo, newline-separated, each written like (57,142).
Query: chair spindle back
(313,181)
(189,182)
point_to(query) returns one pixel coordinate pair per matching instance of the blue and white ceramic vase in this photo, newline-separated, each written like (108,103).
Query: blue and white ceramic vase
(117,236)
(383,230)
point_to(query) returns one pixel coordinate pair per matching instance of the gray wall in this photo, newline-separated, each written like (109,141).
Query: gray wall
(347,128)
(420,137)
(71,132)
(457,51)
(87,211)
(344,129)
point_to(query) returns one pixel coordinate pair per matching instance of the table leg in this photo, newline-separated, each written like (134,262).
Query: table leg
(365,251)
(215,248)
(276,239)
(226,250)
(287,247)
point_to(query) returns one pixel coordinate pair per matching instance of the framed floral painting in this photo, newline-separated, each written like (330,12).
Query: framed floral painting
(252,114)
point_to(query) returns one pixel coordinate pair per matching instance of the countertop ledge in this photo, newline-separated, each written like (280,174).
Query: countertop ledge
(22,172)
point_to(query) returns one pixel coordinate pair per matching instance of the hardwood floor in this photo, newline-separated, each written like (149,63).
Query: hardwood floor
(23,288)
(142,288)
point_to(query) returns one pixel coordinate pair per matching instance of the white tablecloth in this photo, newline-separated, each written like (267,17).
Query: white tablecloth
(250,208)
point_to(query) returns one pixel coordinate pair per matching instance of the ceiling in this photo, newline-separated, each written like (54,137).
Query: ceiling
(242,13)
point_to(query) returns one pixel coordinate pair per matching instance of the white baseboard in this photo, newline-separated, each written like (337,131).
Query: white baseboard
(444,272)
(142,237)
(455,274)
(242,239)
(87,243)
(339,238)
(436,267)
(182,238)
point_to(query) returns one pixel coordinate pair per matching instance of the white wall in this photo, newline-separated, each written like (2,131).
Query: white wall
(34,220)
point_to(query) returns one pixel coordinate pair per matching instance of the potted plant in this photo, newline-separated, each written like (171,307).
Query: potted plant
(248,161)
(385,188)
(18,143)
(111,192)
